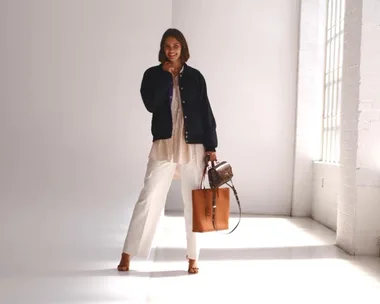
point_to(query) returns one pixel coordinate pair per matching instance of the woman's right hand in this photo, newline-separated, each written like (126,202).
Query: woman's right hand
(211,156)
(168,67)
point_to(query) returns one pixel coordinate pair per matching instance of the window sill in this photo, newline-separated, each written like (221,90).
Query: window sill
(319,162)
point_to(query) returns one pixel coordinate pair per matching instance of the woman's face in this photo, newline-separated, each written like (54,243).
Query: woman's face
(172,49)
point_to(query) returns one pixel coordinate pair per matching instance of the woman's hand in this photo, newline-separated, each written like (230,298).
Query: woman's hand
(211,155)
(169,67)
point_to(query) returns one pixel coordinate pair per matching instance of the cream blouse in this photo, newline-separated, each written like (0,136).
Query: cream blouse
(175,149)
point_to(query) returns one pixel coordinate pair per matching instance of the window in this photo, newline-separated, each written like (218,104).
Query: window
(333,81)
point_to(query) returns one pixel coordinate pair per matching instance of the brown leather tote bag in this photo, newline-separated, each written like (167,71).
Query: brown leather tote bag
(211,207)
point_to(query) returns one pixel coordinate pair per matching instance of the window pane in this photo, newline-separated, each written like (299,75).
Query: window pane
(333,80)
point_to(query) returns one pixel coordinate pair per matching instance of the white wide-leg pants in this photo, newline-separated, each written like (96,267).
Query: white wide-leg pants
(151,201)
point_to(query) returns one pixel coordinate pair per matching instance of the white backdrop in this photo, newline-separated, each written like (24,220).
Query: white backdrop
(75,135)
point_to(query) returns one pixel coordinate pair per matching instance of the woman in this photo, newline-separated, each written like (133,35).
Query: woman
(184,132)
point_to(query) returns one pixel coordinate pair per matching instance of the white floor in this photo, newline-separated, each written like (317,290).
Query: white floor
(266,260)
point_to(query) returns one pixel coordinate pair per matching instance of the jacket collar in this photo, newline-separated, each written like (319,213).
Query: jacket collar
(183,68)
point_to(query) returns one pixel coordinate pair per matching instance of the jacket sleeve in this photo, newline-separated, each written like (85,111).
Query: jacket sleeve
(155,87)
(210,139)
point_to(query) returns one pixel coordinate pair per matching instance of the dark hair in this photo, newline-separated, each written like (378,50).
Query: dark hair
(185,54)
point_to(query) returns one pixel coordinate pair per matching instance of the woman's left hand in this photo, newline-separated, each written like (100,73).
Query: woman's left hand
(212,155)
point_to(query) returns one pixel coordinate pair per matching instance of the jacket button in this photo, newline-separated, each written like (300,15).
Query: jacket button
(185,117)
(183,101)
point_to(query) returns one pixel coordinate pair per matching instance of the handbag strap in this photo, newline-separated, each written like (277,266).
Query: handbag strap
(207,159)
(203,177)
(214,207)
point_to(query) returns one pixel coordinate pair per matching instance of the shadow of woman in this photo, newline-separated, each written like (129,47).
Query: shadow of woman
(131,273)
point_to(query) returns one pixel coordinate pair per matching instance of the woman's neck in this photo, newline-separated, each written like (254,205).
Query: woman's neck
(177,65)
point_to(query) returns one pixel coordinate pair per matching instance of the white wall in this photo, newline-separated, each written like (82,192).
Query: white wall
(347,199)
(358,217)
(368,158)
(315,190)
(358,228)
(248,52)
(326,181)
(309,103)
(74,133)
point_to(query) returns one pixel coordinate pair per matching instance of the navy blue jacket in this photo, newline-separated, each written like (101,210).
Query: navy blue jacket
(156,92)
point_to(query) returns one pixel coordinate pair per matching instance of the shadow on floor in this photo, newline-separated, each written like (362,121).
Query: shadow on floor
(114,272)
(271,253)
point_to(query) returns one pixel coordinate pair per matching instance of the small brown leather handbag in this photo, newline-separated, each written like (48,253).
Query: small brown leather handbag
(211,207)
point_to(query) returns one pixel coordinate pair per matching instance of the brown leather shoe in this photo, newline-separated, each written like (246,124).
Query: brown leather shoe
(124,262)
(193,266)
